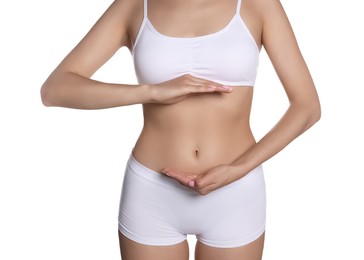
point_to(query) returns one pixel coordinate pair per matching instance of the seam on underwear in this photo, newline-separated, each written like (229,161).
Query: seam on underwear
(234,243)
(147,241)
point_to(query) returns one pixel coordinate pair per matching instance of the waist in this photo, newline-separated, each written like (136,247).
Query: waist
(189,154)
(192,149)
(196,134)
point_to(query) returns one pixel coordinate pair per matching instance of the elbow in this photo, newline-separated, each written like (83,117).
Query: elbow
(49,95)
(316,111)
(45,94)
(313,113)
(308,110)
(317,115)
(50,91)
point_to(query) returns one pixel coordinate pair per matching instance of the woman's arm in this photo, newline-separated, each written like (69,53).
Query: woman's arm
(69,85)
(304,110)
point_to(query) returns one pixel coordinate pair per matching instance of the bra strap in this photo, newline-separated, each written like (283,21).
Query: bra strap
(238,4)
(146,8)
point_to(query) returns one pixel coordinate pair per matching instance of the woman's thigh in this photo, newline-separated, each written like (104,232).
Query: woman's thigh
(131,250)
(251,251)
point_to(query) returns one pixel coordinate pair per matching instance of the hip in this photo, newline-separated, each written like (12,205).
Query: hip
(157,210)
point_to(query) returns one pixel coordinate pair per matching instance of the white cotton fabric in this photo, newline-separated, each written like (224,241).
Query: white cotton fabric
(158,210)
(229,56)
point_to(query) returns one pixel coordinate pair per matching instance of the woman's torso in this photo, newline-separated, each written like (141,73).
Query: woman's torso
(205,130)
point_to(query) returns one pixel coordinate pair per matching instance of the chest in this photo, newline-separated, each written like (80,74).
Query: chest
(230,52)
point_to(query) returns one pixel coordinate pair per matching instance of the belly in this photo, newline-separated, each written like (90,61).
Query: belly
(196,134)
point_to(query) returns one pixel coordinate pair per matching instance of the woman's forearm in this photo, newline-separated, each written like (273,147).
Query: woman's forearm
(68,89)
(297,119)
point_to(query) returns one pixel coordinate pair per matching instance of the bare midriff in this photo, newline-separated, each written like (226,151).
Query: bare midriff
(196,134)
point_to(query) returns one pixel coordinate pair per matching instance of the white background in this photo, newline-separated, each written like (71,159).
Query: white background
(61,169)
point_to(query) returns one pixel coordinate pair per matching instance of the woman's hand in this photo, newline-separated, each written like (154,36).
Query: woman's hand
(213,179)
(178,89)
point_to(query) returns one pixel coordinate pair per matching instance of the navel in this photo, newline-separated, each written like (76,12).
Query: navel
(196,152)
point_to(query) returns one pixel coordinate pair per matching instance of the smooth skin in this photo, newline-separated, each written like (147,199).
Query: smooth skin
(201,154)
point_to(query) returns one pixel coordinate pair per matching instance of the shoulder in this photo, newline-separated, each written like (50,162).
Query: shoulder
(267,9)
(264,8)
(273,19)
(262,4)
(257,13)
(127,8)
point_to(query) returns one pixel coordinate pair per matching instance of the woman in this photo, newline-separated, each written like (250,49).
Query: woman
(196,167)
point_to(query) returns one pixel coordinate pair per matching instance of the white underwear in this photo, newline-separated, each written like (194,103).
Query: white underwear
(157,210)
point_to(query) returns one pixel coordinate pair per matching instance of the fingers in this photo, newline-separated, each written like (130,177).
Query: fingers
(181,177)
(199,85)
(223,88)
(177,89)
(203,184)
(200,183)
(206,88)
(203,181)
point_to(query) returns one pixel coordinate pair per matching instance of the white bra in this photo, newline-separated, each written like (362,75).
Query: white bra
(229,56)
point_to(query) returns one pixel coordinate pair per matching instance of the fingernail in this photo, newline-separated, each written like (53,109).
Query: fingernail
(191,184)
(165,172)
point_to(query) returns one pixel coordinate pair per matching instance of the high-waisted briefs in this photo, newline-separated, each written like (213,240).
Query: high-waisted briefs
(157,210)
